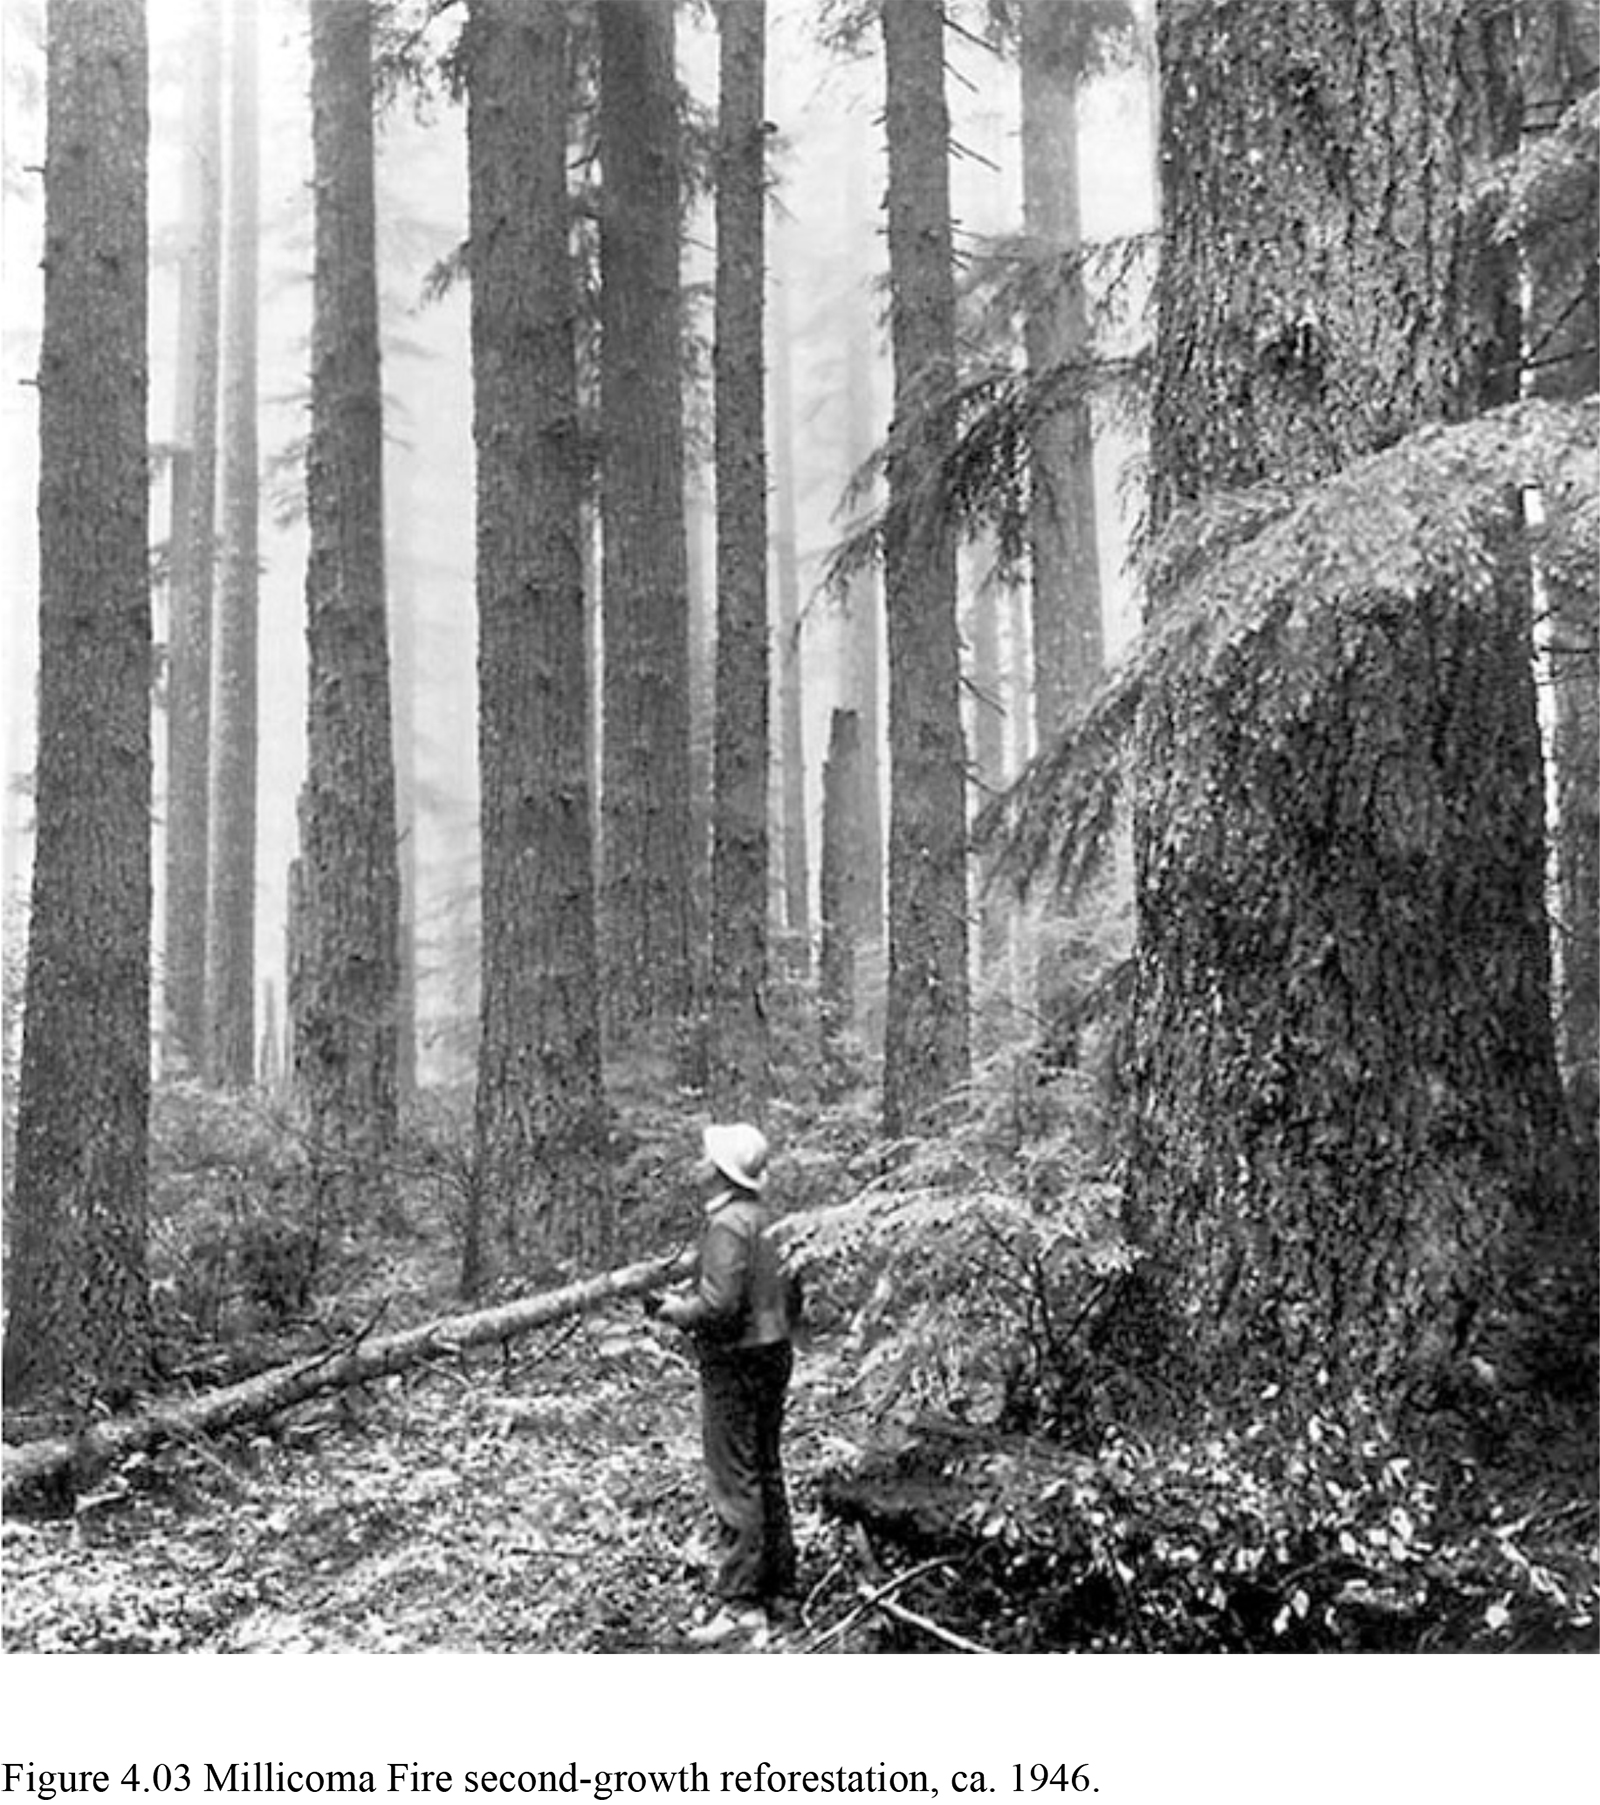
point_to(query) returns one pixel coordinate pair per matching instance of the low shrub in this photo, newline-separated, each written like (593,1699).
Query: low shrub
(1291,1532)
(234,1244)
(972,1270)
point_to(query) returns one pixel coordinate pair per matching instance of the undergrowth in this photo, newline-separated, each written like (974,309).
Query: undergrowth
(971,1272)
(1033,1423)
(992,1426)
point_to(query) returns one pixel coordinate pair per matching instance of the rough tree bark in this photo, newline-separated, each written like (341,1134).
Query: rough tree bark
(350,887)
(540,1105)
(740,1048)
(926,1035)
(77,1331)
(1342,1077)
(1560,46)
(646,854)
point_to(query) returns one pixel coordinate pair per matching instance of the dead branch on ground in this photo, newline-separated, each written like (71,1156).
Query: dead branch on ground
(52,1471)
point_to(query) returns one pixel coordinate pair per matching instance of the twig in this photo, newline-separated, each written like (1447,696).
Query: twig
(1124,1592)
(871,1598)
(558,1341)
(1097,1291)
(338,1349)
(439,1370)
(199,1444)
(930,1628)
(863,1543)
(818,1589)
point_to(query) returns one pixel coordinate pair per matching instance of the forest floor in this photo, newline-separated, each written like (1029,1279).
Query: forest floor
(546,1501)
(547,1497)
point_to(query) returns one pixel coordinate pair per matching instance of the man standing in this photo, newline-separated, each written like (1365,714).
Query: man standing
(738,1312)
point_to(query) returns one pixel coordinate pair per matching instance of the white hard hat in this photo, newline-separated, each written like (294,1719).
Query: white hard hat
(738,1150)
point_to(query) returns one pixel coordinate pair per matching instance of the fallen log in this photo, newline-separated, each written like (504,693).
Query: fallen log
(52,1471)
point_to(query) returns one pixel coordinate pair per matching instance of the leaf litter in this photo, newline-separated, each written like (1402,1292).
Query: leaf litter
(544,1500)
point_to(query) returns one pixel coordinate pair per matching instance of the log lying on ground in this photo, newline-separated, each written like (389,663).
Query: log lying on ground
(51,1471)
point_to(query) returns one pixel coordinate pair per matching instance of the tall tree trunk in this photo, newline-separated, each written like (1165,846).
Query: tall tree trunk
(345,1027)
(864,636)
(989,707)
(843,832)
(700,538)
(1068,637)
(269,1056)
(740,1047)
(540,1107)
(646,848)
(1063,529)
(926,1039)
(1561,56)
(795,862)
(1343,1083)
(405,596)
(192,556)
(78,1326)
(231,907)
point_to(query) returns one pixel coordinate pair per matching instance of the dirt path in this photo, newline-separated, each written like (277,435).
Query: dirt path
(550,1504)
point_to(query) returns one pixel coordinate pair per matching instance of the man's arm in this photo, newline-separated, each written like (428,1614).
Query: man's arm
(718,1299)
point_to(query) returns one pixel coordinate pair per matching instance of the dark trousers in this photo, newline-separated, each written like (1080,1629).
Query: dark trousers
(741,1423)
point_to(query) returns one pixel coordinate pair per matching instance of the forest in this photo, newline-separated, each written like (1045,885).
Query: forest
(1003,589)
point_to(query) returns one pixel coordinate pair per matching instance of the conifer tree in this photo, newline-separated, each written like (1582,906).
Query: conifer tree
(232,807)
(192,555)
(1343,1096)
(345,998)
(739,857)
(646,843)
(77,1328)
(539,1113)
(926,1035)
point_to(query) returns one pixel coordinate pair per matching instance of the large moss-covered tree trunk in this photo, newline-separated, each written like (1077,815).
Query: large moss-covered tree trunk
(539,1100)
(1343,1084)
(345,1004)
(926,1031)
(77,1328)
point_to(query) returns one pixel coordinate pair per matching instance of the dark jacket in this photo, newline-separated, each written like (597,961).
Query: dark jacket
(741,1293)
